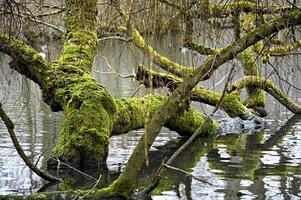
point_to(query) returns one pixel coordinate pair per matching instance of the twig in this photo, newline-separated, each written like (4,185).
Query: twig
(78,171)
(50,13)
(184,172)
(40,156)
(285,54)
(115,37)
(139,87)
(114,71)
(93,188)
(36,21)
(293,5)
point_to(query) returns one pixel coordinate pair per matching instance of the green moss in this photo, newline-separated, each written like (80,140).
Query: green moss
(256,97)
(88,122)
(134,112)
(120,187)
(234,108)
(231,103)
(81,15)
(157,58)
(89,109)
(28,61)
(286,48)
(190,121)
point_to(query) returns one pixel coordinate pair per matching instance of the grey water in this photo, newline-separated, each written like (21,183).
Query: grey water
(262,164)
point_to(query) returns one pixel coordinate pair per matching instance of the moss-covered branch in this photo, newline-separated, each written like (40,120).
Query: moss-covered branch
(201,49)
(162,61)
(285,48)
(133,114)
(25,59)
(270,88)
(255,96)
(230,103)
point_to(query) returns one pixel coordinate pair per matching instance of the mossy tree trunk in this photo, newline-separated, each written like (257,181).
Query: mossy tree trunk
(88,108)
(256,97)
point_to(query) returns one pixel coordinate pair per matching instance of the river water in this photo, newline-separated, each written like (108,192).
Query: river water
(262,164)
